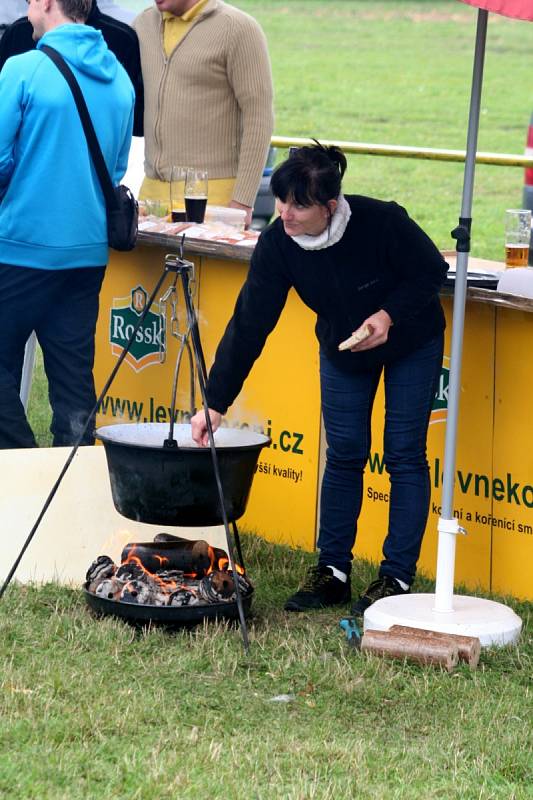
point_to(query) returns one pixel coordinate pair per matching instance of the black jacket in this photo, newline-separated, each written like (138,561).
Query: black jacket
(383,261)
(119,37)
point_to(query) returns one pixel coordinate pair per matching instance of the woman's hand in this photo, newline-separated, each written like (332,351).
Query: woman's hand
(379,324)
(247,209)
(199,425)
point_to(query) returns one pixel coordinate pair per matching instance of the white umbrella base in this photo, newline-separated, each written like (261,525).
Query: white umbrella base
(493,623)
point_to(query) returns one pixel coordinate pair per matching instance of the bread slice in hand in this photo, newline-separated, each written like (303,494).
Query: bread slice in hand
(361,333)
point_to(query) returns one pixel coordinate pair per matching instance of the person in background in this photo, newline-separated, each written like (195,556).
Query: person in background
(119,37)
(53,227)
(11,10)
(358,263)
(208,98)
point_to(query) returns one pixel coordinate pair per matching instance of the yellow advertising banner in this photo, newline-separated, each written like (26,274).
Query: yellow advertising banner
(512,486)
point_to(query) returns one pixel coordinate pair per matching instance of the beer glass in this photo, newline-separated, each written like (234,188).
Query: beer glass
(195,195)
(154,208)
(517,236)
(177,193)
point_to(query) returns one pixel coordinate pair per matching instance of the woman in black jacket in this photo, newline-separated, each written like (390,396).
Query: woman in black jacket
(362,265)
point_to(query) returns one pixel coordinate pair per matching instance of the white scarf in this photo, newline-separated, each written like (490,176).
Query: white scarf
(334,231)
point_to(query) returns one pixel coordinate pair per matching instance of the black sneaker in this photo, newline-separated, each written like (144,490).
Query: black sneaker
(382,587)
(321,589)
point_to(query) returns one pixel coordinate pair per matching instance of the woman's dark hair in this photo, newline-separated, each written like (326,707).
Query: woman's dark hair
(311,175)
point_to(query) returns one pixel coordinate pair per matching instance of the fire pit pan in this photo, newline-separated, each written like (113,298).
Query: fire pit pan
(141,614)
(176,485)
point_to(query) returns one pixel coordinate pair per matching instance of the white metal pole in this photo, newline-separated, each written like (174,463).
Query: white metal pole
(448,526)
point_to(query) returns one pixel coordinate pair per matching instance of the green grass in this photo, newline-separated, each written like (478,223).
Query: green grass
(92,708)
(39,411)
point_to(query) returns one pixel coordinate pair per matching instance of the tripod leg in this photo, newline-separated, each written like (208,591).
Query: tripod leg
(237,543)
(200,365)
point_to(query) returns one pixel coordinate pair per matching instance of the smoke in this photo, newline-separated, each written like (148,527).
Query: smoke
(240,417)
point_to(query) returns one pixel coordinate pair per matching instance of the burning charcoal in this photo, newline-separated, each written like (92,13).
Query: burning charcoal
(217,587)
(170,576)
(99,571)
(138,591)
(244,584)
(111,589)
(129,572)
(129,593)
(191,557)
(161,598)
(167,582)
(222,584)
(182,597)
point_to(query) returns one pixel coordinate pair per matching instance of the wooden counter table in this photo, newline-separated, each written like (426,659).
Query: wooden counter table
(494,485)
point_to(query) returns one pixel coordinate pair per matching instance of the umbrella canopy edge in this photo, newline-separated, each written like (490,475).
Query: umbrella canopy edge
(517,9)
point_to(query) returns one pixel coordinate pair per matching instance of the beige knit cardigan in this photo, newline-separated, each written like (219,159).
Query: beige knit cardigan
(209,105)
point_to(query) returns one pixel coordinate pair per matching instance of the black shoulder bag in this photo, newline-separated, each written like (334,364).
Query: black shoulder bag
(121,206)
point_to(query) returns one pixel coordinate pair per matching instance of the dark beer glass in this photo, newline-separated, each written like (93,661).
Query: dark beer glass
(195,195)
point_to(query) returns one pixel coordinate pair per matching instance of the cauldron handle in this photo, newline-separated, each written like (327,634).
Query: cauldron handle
(183,338)
(184,344)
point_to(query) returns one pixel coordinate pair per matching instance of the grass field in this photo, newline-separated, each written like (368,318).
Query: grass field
(92,709)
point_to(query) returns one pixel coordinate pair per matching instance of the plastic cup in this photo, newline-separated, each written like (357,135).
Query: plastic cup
(177,192)
(154,208)
(517,237)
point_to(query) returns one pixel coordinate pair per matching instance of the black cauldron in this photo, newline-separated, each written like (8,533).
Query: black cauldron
(176,485)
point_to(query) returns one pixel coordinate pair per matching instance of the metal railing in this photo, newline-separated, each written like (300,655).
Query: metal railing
(400,151)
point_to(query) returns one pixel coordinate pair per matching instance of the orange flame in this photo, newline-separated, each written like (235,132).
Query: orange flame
(222,565)
(171,586)
(165,586)
(211,554)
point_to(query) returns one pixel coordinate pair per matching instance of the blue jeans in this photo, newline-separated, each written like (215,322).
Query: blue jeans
(347,400)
